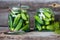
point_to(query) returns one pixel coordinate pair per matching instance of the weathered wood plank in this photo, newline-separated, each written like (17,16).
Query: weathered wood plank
(29,36)
(4,17)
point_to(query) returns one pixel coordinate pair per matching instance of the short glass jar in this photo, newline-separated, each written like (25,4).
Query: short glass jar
(18,20)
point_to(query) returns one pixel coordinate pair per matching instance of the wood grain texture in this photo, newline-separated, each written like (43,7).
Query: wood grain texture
(31,36)
(4,17)
(28,36)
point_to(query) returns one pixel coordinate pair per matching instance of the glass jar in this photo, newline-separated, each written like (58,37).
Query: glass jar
(18,20)
(44,20)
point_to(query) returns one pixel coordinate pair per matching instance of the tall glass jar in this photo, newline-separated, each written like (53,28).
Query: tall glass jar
(18,20)
(44,20)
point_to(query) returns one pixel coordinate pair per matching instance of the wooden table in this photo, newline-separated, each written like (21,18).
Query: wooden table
(28,36)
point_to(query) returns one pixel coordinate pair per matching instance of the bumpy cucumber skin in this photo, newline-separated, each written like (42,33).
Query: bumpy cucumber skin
(23,16)
(19,25)
(38,19)
(16,20)
(39,27)
(47,14)
(25,28)
(10,23)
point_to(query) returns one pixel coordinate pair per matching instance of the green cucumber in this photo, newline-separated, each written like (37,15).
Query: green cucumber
(38,19)
(47,14)
(19,25)
(38,27)
(16,20)
(47,22)
(46,19)
(24,11)
(50,27)
(56,25)
(52,19)
(27,16)
(10,23)
(43,27)
(24,28)
(27,22)
(23,16)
